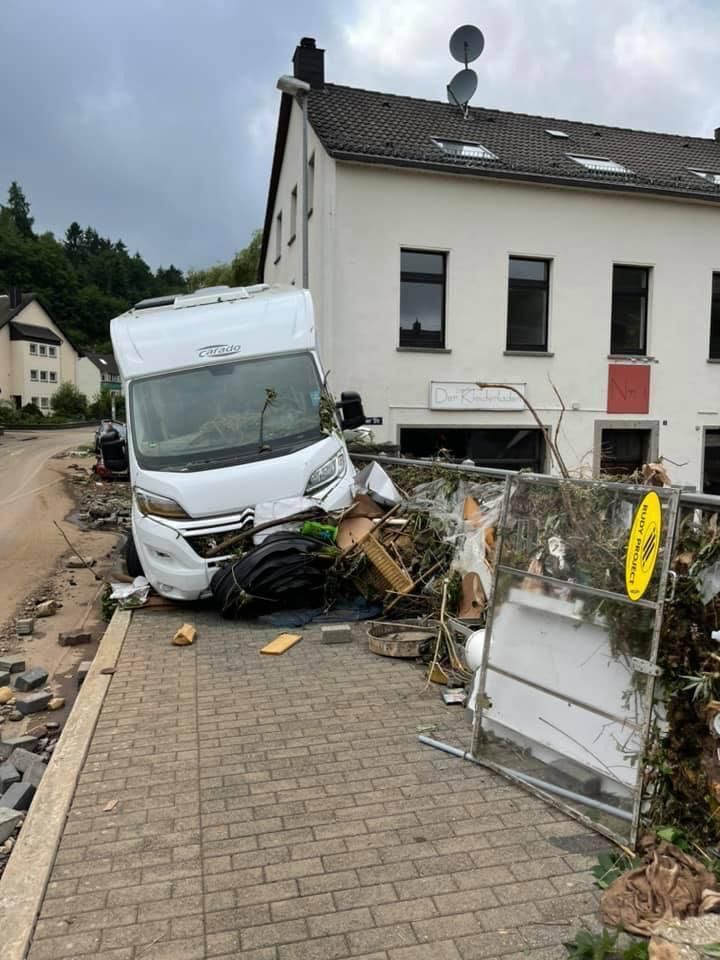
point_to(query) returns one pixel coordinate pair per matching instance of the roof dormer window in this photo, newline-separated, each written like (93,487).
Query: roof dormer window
(710,175)
(599,164)
(465,149)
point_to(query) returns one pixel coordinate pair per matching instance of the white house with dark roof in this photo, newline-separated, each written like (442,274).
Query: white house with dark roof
(512,249)
(98,372)
(35,355)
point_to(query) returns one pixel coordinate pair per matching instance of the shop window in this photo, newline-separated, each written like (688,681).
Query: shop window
(623,452)
(504,448)
(711,462)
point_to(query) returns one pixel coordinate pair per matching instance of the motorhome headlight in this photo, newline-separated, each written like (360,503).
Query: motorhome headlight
(325,474)
(153,505)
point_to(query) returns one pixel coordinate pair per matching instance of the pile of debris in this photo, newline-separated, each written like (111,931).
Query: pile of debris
(24,691)
(419,552)
(23,761)
(105,505)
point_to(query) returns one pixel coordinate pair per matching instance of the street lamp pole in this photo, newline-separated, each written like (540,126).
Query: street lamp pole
(299,89)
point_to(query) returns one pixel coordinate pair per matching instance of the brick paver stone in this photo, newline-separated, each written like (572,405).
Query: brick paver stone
(281,808)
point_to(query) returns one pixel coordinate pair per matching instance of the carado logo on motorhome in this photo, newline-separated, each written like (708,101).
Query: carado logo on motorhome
(219,350)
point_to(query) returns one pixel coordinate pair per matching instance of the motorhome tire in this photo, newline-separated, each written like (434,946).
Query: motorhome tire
(132,560)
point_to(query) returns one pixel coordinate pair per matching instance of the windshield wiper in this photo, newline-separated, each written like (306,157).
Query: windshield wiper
(270,398)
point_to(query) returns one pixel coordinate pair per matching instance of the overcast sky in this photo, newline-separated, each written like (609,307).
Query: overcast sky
(153,120)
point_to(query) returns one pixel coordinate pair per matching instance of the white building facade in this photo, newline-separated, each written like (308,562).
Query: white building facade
(35,354)
(511,250)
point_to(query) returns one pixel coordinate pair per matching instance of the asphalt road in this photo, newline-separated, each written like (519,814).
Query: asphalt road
(31,497)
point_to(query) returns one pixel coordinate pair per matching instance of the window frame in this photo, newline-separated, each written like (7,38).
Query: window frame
(714,316)
(640,291)
(413,276)
(35,401)
(44,403)
(278,236)
(33,349)
(591,164)
(43,376)
(529,285)
(52,351)
(311,184)
(42,350)
(52,376)
(651,426)
(34,376)
(293,214)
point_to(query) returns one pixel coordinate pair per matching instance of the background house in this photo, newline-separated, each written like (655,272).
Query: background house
(96,372)
(35,355)
(505,248)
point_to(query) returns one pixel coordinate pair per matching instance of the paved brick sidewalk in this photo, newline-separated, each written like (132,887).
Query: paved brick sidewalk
(280,808)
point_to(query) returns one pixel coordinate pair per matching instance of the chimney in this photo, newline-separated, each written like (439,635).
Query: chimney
(309,63)
(15,297)
(717,133)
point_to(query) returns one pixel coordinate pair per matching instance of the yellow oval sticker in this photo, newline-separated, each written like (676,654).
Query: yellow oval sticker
(643,546)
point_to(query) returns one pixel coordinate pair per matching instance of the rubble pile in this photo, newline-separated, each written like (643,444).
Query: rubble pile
(414,552)
(23,761)
(105,505)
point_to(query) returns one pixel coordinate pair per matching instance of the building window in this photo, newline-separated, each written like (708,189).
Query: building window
(422,299)
(278,236)
(711,462)
(33,349)
(53,376)
(42,350)
(33,374)
(623,452)
(293,215)
(715,318)
(311,184)
(465,149)
(629,311)
(52,351)
(600,164)
(505,448)
(44,404)
(43,376)
(528,289)
(35,401)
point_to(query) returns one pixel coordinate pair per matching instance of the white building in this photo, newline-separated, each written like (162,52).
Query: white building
(513,249)
(98,372)
(35,355)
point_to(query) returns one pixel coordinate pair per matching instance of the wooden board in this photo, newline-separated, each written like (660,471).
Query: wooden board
(282,643)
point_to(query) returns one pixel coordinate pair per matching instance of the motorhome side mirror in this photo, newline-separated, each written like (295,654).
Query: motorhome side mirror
(351,407)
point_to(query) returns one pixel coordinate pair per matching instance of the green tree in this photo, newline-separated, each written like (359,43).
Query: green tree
(19,207)
(240,272)
(67,401)
(101,407)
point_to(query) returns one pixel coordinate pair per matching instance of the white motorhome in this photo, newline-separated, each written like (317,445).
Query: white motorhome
(226,409)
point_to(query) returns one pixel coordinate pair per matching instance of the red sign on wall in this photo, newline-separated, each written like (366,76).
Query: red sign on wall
(628,388)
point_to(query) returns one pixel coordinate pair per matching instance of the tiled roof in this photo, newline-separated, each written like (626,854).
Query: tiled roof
(105,362)
(366,126)
(28,331)
(7,312)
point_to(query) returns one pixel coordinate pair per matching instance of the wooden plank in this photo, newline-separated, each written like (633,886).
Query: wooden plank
(282,643)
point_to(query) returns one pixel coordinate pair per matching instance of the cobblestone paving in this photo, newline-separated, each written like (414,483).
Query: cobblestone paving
(281,808)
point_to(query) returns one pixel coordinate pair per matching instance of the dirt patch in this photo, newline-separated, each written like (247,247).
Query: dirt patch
(79,591)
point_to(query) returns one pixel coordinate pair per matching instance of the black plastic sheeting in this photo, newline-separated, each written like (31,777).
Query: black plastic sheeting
(286,571)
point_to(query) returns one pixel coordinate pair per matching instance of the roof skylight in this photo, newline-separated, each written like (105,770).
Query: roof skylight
(560,134)
(707,175)
(459,148)
(600,164)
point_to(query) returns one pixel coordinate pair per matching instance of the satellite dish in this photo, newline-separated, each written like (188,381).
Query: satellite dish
(462,87)
(466,44)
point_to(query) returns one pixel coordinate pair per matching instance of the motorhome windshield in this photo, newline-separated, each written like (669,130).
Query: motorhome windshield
(225,413)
